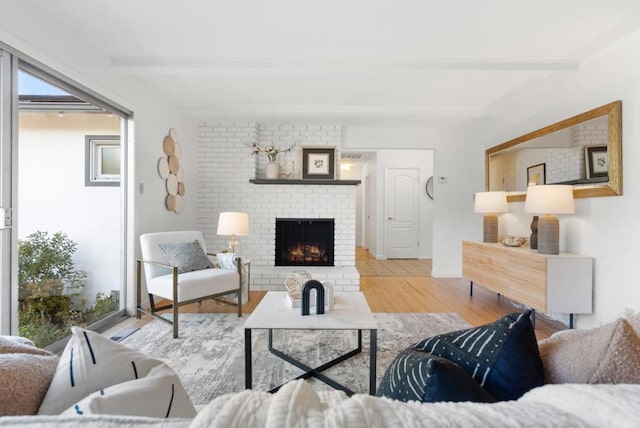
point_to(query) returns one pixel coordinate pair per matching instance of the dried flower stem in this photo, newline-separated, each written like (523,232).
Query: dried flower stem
(271,152)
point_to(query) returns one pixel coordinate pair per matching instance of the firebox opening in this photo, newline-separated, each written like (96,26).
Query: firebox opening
(304,242)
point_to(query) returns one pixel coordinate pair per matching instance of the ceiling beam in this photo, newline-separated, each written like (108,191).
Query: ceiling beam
(176,64)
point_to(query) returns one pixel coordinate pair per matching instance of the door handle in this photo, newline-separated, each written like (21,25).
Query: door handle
(390,218)
(6,218)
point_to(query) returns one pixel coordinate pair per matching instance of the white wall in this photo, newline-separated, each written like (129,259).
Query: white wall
(605,228)
(437,147)
(369,197)
(383,160)
(357,172)
(53,196)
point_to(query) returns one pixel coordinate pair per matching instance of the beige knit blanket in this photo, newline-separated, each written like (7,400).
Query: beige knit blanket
(25,375)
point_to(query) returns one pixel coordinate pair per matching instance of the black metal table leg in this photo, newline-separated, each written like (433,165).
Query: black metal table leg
(316,372)
(471,288)
(571,321)
(373,349)
(248,379)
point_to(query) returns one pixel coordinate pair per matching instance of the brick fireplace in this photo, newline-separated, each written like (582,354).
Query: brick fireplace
(224,169)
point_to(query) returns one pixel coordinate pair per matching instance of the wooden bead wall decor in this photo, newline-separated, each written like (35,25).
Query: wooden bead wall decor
(172,172)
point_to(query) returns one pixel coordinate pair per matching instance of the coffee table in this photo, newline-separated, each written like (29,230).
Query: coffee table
(350,312)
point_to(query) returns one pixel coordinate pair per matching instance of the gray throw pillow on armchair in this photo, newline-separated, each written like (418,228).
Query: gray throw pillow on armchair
(186,256)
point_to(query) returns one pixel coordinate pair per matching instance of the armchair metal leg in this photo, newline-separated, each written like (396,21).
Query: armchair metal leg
(175,320)
(138,288)
(239,287)
(176,303)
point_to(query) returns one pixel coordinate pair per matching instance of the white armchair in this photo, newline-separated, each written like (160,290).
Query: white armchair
(165,279)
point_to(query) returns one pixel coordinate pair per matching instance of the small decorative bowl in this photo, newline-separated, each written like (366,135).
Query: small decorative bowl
(513,241)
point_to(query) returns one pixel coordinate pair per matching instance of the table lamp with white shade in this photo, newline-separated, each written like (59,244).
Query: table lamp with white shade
(547,200)
(233,224)
(490,203)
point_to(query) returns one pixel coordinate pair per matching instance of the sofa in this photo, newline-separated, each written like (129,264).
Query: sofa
(595,373)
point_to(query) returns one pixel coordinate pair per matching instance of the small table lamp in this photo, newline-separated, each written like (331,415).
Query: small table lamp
(233,224)
(490,203)
(547,200)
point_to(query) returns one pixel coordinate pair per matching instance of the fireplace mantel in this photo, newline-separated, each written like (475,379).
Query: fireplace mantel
(306,181)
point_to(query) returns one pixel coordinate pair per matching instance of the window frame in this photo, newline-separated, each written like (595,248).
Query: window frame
(93,152)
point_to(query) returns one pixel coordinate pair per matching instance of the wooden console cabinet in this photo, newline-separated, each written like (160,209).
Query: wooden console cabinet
(560,283)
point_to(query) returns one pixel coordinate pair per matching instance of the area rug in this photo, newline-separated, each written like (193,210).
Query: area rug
(209,354)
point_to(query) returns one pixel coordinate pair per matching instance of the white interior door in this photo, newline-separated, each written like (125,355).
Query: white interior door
(509,180)
(401,200)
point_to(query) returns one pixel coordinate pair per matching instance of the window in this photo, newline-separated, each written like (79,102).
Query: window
(102,159)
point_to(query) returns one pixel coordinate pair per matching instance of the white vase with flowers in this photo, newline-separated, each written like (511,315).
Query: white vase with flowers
(272,169)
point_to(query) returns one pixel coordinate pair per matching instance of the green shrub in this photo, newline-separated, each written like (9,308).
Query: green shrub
(45,265)
(103,306)
(48,285)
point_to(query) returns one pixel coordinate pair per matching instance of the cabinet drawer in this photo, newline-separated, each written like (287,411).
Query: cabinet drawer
(528,279)
(487,267)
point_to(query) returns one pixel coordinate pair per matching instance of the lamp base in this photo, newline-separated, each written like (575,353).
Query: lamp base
(490,228)
(234,245)
(533,239)
(548,234)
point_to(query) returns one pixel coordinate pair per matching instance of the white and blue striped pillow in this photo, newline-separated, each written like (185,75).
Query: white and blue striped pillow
(94,364)
(503,356)
(419,376)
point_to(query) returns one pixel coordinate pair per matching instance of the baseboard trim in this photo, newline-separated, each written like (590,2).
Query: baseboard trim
(445,274)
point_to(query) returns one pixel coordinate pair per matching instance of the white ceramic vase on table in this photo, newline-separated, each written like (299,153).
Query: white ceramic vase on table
(272,170)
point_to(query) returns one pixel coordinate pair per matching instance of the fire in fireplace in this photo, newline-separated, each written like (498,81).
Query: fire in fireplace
(304,242)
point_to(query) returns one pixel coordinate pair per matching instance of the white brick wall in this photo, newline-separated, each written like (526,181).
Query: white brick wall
(285,136)
(225,166)
(569,164)
(589,134)
(565,164)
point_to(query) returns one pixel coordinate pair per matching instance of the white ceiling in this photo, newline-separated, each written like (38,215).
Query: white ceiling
(417,61)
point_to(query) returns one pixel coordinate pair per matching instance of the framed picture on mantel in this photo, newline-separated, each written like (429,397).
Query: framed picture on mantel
(536,174)
(318,163)
(597,161)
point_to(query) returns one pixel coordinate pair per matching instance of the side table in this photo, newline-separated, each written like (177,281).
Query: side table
(246,273)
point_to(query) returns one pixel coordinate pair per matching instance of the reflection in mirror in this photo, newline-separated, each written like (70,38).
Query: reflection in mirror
(585,151)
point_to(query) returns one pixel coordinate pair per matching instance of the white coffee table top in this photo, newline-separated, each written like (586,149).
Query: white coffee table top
(350,312)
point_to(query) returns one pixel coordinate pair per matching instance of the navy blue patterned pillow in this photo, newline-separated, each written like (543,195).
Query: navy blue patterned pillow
(419,376)
(186,256)
(502,357)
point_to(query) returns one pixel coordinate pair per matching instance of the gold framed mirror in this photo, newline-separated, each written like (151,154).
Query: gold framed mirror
(584,150)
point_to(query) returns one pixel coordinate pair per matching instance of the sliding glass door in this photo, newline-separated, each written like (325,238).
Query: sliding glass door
(64,253)
(8,102)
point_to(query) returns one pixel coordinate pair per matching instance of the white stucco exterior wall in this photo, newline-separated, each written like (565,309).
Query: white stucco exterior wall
(53,197)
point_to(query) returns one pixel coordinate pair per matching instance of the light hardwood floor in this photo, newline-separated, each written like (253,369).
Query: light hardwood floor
(403,292)
(398,286)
